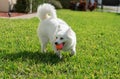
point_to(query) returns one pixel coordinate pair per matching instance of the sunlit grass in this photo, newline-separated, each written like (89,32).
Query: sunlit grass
(98,48)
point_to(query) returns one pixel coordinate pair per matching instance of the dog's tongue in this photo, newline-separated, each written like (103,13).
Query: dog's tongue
(59,46)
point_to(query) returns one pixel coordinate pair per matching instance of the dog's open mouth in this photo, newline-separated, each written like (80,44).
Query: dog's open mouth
(60,46)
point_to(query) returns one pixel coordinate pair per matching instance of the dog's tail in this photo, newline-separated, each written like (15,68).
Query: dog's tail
(45,11)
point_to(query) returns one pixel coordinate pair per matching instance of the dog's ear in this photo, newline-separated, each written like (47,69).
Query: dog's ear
(69,32)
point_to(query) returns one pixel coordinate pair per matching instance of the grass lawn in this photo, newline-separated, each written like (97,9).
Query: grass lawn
(98,48)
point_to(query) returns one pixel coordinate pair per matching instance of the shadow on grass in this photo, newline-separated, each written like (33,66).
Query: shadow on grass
(36,57)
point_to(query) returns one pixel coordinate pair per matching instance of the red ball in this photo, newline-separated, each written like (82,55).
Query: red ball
(59,46)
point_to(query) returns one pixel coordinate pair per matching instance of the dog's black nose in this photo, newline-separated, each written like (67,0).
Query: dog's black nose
(56,43)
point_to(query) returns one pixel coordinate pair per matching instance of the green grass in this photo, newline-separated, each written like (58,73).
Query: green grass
(98,48)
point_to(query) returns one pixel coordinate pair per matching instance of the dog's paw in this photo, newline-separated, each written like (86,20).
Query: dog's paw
(59,55)
(43,51)
(72,54)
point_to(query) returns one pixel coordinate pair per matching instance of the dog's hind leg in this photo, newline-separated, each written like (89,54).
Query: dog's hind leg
(44,42)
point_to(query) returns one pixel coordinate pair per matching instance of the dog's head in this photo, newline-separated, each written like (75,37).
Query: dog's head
(63,38)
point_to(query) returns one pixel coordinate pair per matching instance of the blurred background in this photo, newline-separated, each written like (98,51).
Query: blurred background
(30,6)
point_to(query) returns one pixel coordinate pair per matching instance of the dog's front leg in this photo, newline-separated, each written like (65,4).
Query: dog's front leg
(59,54)
(73,52)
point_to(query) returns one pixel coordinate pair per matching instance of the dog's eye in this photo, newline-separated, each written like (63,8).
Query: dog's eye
(61,38)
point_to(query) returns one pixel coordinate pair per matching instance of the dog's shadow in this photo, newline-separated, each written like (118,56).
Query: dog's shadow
(37,57)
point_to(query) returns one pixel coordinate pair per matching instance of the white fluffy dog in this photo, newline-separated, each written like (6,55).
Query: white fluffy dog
(55,30)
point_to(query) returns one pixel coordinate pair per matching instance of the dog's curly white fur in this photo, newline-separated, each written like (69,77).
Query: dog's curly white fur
(54,30)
